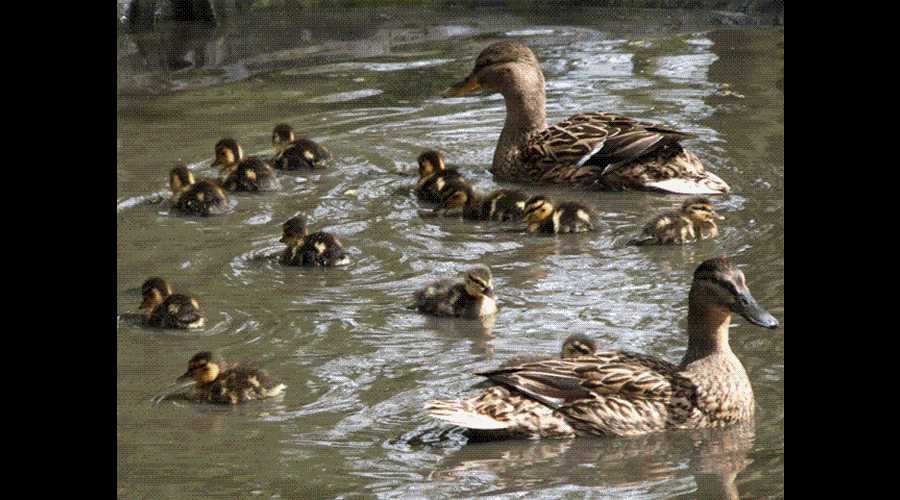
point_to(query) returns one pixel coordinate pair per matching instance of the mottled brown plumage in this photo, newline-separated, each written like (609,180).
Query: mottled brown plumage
(237,173)
(472,297)
(214,382)
(296,153)
(193,197)
(162,308)
(593,150)
(626,393)
(693,221)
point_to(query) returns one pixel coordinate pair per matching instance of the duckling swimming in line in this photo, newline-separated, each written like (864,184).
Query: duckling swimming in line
(472,297)
(622,392)
(693,221)
(311,250)
(502,204)
(433,174)
(214,382)
(192,197)
(567,217)
(163,309)
(293,153)
(242,174)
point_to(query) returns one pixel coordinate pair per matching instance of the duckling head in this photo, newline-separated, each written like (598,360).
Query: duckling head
(700,209)
(154,291)
(180,177)
(430,162)
(293,229)
(282,136)
(537,208)
(478,282)
(578,345)
(204,368)
(227,151)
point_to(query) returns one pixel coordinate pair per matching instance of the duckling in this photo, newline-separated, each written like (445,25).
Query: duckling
(623,393)
(293,153)
(472,297)
(216,383)
(433,174)
(567,217)
(576,345)
(502,204)
(242,174)
(317,249)
(163,309)
(192,197)
(693,221)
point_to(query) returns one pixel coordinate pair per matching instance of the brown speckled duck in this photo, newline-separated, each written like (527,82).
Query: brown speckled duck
(472,297)
(501,204)
(296,153)
(214,382)
(193,197)
(163,309)
(237,173)
(627,393)
(566,217)
(593,150)
(693,221)
(318,249)
(433,174)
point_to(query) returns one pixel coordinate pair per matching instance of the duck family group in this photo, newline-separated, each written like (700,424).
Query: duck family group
(582,392)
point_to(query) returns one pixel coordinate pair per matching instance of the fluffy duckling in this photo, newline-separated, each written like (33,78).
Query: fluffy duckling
(216,383)
(433,174)
(192,197)
(293,153)
(319,249)
(577,345)
(242,174)
(472,297)
(567,217)
(163,309)
(693,221)
(502,204)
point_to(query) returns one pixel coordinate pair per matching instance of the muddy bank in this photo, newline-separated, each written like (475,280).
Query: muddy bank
(167,46)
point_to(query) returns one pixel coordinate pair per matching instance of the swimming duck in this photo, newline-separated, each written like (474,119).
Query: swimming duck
(693,221)
(472,297)
(501,204)
(163,309)
(316,249)
(192,197)
(622,392)
(433,174)
(216,383)
(293,153)
(567,217)
(242,174)
(593,150)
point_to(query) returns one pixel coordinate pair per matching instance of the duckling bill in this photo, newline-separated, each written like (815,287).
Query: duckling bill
(472,297)
(214,382)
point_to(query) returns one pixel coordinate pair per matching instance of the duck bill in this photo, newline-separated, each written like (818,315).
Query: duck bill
(747,307)
(470,84)
(489,292)
(716,216)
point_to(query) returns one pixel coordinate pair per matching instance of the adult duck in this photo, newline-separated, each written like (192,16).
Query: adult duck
(593,150)
(622,392)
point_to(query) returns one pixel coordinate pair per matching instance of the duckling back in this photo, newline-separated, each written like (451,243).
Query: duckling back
(215,383)
(694,220)
(202,198)
(567,217)
(433,175)
(472,297)
(503,205)
(302,154)
(319,249)
(251,174)
(162,308)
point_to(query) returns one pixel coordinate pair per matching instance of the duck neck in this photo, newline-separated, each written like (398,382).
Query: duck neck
(707,333)
(525,114)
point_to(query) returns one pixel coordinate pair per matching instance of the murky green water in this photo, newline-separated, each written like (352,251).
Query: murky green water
(359,364)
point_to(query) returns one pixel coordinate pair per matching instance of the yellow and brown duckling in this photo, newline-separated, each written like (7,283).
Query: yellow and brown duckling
(214,382)
(695,220)
(164,309)
(318,249)
(433,174)
(566,217)
(471,297)
(622,392)
(501,204)
(593,150)
(296,153)
(242,174)
(193,197)
(576,345)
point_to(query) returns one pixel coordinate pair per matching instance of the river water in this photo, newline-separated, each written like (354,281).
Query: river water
(359,364)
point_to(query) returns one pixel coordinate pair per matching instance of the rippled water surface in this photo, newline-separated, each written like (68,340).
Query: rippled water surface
(358,363)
